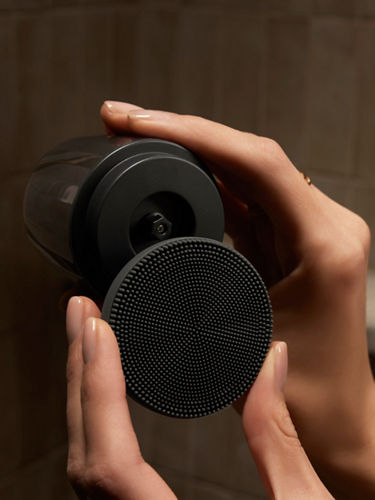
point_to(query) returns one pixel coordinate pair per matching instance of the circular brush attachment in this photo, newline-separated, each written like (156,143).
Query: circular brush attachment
(193,322)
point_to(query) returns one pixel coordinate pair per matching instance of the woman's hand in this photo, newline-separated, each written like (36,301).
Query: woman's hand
(104,458)
(313,254)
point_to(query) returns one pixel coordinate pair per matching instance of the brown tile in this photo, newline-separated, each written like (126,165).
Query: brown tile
(332,96)
(11,418)
(162,3)
(30,284)
(165,442)
(366,123)
(286,87)
(66,59)
(23,38)
(195,59)
(45,479)
(289,6)
(173,446)
(221,455)
(239,74)
(335,7)
(34,327)
(30,116)
(252,6)
(176,481)
(8,490)
(9,91)
(367,8)
(96,61)
(46,104)
(24,4)
(207,491)
(144,422)
(124,53)
(336,187)
(36,419)
(57,75)
(156,51)
(64,76)
(203,490)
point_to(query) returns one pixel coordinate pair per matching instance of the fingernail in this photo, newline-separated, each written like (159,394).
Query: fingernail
(148,114)
(74,314)
(280,365)
(119,107)
(89,340)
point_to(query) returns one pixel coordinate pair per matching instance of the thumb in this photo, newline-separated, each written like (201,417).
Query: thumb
(282,463)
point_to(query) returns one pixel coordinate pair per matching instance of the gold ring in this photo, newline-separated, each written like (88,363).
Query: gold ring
(307,178)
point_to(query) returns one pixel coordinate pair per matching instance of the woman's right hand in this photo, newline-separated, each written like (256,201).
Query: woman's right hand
(313,255)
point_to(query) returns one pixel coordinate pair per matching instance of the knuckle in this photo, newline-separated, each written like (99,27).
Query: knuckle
(364,234)
(72,365)
(275,424)
(348,262)
(271,148)
(74,472)
(341,252)
(285,426)
(93,479)
(88,389)
(272,156)
(98,477)
(345,265)
(71,372)
(97,387)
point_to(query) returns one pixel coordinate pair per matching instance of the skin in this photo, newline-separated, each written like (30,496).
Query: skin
(313,255)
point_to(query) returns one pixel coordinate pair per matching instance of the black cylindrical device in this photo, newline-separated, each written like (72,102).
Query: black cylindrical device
(95,202)
(142,220)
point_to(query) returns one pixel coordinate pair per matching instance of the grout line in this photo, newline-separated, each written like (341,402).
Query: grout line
(66,8)
(263,80)
(72,5)
(304,145)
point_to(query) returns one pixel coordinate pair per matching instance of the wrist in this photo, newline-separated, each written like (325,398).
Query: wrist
(346,466)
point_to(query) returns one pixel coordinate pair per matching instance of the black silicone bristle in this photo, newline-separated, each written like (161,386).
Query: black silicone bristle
(193,322)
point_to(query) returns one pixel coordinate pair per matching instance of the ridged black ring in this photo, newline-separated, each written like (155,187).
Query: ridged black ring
(193,322)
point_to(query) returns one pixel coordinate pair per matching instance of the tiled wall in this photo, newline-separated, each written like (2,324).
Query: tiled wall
(300,71)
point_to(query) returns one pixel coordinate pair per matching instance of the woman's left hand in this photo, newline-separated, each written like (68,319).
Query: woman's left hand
(104,459)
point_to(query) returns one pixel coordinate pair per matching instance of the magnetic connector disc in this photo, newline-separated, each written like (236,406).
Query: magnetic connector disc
(193,322)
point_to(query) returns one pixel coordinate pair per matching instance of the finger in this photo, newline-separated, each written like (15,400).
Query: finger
(109,433)
(282,463)
(252,235)
(237,216)
(240,225)
(79,308)
(258,167)
(104,407)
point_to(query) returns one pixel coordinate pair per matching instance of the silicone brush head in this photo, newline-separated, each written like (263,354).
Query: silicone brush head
(193,322)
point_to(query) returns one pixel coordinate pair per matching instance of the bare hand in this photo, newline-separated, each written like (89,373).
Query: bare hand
(313,255)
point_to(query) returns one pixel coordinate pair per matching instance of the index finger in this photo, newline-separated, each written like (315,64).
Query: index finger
(256,168)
